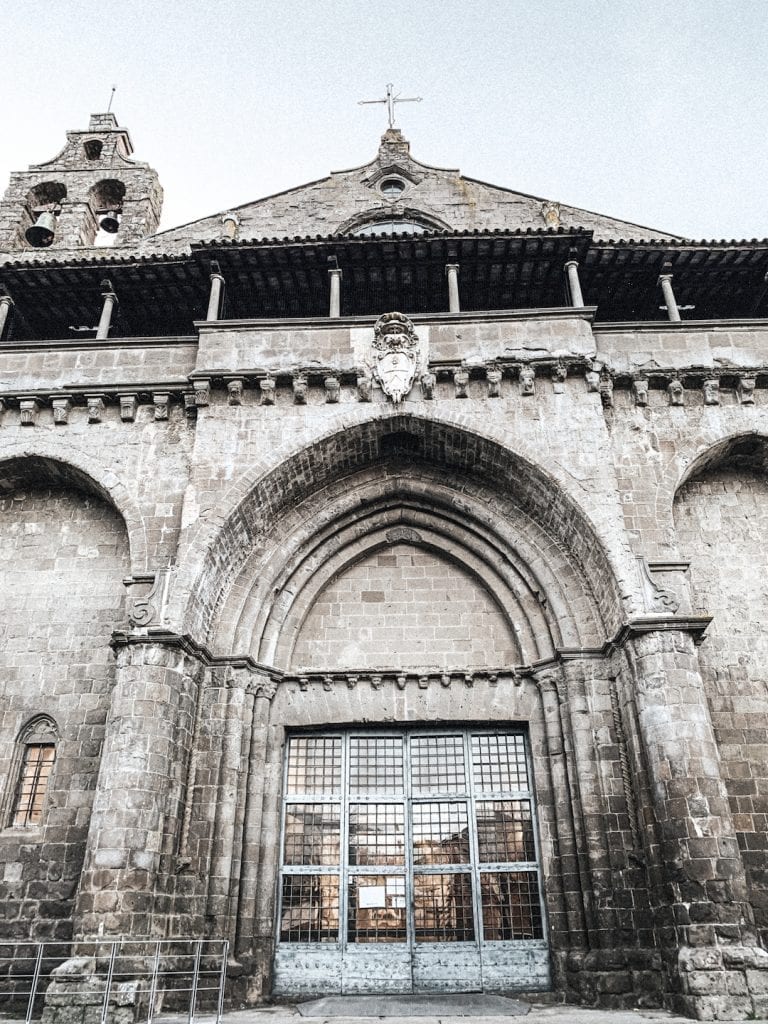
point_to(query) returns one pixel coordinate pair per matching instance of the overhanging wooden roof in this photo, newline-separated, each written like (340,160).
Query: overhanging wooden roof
(275,278)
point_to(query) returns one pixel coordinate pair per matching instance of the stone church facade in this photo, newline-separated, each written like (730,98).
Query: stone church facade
(384,585)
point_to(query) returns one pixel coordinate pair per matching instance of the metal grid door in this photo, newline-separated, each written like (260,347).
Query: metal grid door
(409,864)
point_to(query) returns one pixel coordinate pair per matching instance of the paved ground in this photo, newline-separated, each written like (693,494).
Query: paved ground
(538,1014)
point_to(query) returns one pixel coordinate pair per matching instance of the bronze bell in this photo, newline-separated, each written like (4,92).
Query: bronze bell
(109,222)
(40,234)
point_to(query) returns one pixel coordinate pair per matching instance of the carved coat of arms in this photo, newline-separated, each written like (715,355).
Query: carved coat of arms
(395,354)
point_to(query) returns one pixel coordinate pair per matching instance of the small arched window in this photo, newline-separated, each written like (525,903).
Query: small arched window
(36,755)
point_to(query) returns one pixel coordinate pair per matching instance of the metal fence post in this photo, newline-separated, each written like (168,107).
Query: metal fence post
(222,980)
(153,984)
(195,980)
(110,972)
(35,980)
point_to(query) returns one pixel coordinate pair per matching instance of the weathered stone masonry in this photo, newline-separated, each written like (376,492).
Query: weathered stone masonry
(220,531)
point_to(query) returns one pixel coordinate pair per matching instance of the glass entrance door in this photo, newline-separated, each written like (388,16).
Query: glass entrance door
(409,864)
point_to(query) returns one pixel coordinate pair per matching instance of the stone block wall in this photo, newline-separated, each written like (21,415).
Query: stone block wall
(64,554)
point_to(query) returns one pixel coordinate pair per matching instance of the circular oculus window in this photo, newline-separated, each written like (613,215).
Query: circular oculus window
(392,188)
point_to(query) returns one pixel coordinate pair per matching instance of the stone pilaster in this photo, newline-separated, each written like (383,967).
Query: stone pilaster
(136,817)
(703,921)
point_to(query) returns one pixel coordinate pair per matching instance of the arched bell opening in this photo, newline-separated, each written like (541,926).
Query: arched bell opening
(105,203)
(41,212)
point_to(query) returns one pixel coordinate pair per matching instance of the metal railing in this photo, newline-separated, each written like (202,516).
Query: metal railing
(183,976)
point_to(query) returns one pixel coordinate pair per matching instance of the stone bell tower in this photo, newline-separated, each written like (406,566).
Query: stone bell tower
(92,193)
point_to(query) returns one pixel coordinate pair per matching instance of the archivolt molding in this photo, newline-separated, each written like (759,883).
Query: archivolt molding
(87,474)
(218,546)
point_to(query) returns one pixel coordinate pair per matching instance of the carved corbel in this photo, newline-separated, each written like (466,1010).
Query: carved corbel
(640,391)
(493,377)
(29,409)
(161,400)
(149,609)
(527,380)
(559,374)
(267,388)
(461,382)
(62,406)
(332,389)
(364,384)
(592,378)
(656,598)
(303,683)
(95,407)
(327,683)
(423,682)
(299,385)
(376,682)
(401,680)
(352,682)
(675,391)
(128,405)
(711,389)
(745,389)
(264,687)
(606,389)
(235,391)
(202,389)
(428,382)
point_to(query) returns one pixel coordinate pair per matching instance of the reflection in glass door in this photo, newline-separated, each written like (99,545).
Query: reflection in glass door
(409,863)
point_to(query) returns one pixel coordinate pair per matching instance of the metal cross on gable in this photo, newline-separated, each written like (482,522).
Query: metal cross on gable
(391,99)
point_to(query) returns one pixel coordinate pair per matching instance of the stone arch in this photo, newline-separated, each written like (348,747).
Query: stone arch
(720,514)
(221,547)
(45,461)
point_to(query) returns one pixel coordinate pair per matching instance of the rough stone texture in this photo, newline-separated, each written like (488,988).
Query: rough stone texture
(508,544)
(404,608)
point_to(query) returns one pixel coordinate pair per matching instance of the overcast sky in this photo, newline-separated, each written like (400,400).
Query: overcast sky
(655,112)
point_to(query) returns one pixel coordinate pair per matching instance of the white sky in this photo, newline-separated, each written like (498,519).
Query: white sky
(651,111)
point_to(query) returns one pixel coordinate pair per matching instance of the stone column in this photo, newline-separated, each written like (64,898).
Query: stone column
(247,941)
(110,301)
(702,913)
(452,272)
(136,813)
(574,285)
(335,303)
(237,711)
(214,301)
(6,302)
(665,280)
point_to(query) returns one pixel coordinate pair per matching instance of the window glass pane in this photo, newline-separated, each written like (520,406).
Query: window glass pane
(440,834)
(311,834)
(498,763)
(511,907)
(442,908)
(376,834)
(35,773)
(377,908)
(376,764)
(505,830)
(437,764)
(310,908)
(314,764)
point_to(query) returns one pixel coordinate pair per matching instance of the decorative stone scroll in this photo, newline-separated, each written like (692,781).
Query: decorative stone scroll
(396,355)
(150,609)
(61,410)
